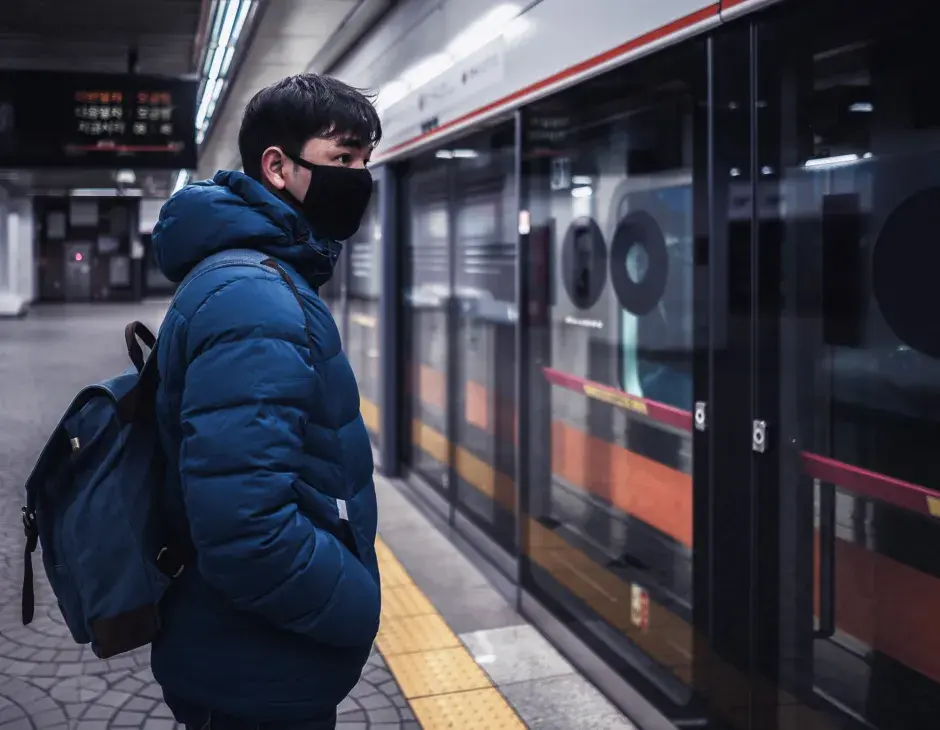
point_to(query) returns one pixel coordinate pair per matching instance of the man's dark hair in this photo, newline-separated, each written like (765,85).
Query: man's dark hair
(294,110)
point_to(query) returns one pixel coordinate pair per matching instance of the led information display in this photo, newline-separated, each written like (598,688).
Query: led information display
(96,120)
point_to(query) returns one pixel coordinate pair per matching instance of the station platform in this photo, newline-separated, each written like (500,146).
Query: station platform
(451,652)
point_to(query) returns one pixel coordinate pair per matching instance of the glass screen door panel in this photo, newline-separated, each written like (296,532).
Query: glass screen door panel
(333,293)
(427,300)
(612,171)
(849,145)
(362,333)
(484,260)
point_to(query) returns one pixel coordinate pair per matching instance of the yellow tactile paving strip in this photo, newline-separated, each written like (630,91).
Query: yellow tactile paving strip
(432,672)
(445,686)
(412,634)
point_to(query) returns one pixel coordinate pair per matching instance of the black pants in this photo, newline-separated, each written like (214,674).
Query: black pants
(199,718)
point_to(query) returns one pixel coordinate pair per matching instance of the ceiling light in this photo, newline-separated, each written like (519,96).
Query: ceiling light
(227,61)
(182,178)
(834,161)
(105,193)
(423,71)
(391,93)
(516,27)
(483,31)
(204,104)
(240,22)
(228,25)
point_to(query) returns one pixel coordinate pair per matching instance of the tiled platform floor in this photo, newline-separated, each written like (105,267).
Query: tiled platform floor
(458,656)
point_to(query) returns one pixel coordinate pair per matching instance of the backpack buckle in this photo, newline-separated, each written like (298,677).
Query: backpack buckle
(169,567)
(29,521)
(29,527)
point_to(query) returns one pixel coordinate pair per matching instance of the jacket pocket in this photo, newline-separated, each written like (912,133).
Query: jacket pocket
(328,514)
(357,517)
(346,532)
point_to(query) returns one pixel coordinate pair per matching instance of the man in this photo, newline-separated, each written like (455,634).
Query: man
(270,464)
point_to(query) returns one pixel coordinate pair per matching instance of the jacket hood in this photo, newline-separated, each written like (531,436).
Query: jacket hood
(235,211)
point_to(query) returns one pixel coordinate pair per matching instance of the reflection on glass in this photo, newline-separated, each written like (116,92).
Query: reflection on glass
(611,281)
(362,336)
(859,130)
(485,242)
(333,293)
(427,299)
(656,323)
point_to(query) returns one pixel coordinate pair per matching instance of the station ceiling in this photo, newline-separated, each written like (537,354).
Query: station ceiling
(96,35)
(292,36)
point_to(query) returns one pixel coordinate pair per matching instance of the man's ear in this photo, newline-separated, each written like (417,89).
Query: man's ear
(272,168)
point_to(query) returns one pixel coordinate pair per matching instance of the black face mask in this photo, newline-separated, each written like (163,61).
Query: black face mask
(336,199)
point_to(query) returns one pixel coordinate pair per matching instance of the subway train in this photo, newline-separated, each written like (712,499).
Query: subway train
(661,277)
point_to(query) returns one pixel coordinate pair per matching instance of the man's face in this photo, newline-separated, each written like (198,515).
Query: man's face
(283,174)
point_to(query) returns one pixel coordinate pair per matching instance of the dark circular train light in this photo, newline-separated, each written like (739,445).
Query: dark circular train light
(639,296)
(584,263)
(905,266)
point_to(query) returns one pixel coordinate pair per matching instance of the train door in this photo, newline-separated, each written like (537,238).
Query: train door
(841,488)
(460,204)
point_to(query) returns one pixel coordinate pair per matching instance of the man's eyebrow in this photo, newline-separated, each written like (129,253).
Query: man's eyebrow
(350,141)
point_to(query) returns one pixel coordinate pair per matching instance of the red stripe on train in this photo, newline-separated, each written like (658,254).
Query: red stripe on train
(668,415)
(897,492)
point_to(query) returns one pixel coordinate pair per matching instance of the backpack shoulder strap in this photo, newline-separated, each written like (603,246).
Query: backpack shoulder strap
(248,257)
(288,279)
(222,259)
(138,331)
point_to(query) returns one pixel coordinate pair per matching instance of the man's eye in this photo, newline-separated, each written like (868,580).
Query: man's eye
(345,159)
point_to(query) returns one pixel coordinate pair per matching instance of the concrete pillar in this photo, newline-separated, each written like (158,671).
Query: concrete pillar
(17,263)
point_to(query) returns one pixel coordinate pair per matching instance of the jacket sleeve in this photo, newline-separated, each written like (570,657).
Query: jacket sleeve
(249,386)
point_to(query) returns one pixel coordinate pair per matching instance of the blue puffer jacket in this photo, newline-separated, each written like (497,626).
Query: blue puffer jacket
(268,453)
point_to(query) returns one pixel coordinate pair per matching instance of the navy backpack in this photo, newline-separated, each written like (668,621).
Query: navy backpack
(93,501)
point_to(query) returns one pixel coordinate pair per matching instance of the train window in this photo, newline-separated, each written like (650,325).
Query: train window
(851,143)
(610,197)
